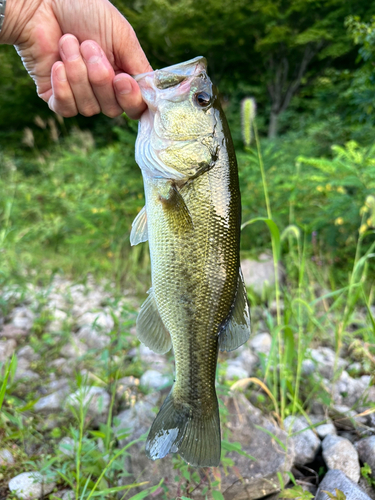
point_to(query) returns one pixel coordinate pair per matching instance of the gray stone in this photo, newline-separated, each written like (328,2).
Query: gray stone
(235,369)
(347,390)
(306,443)
(96,398)
(30,485)
(152,379)
(248,359)
(340,454)
(23,372)
(308,367)
(62,365)
(336,479)
(151,359)
(67,446)
(100,320)
(325,428)
(64,495)
(324,358)
(28,353)
(12,332)
(261,343)
(260,274)
(7,348)
(366,452)
(74,349)
(57,324)
(365,486)
(6,458)
(23,318)
(92,338)
(53,402)
(247,479)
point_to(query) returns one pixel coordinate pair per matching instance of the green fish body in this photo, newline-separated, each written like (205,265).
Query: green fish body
(198,302)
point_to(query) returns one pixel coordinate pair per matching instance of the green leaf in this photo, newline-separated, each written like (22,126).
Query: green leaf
(274,230)
(216,495)
(5,381)
(226,445)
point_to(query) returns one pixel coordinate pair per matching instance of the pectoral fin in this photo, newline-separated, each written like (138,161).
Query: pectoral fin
(237,330)
(175,207)
(150,327)
(139,232)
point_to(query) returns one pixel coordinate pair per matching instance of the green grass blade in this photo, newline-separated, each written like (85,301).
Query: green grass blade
(5,381)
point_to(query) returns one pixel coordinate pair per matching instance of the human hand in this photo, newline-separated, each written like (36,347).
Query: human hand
(90,77)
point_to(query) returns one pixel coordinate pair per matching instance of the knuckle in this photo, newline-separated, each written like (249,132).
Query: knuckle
(113,112)
(90,111)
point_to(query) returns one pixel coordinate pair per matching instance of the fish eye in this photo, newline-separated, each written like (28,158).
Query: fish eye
(203,99)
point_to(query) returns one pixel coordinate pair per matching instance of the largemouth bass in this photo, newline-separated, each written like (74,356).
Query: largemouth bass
(198,301)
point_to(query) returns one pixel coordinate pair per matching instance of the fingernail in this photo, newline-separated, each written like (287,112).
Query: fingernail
(91,53)
(123,86)
(60,73)
(70,48)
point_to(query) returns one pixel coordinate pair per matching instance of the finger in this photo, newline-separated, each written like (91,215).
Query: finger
(62,99)
(128,95)
(77,76)
(100,75)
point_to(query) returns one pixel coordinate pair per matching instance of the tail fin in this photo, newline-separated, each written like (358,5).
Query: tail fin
(177,428)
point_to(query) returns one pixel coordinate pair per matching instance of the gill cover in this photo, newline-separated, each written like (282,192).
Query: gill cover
(176,134)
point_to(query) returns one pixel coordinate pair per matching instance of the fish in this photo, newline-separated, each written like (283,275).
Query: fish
(198,301)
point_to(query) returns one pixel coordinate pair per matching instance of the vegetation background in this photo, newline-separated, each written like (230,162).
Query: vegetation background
(70,188)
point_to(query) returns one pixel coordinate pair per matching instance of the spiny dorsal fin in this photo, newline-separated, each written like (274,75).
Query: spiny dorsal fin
(150,327)
(237,330)
(139,232)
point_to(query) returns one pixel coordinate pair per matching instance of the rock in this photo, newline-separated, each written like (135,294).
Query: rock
(12,332)
(364,485)
(101,321)
(248,359)
(53,402)
(152,379)
(347,390)
(30,485)
(308,367)
(151,359)
(92,338)
(74,349)
(324,358)
(63,495)
(23,372)
(260,274)
(324,429)
(345,418)
(67,446)
(57,324)
(63,366)
(336,479)
(97,399)
(28,353)
(306,443)
(261,343)
(7,348)
(6,458)
(235,369)
(247,479)
(366,452)
(23,318)
(340,454)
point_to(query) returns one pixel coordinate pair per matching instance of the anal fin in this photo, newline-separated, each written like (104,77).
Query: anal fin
(150,327)
(139,232)
(237,330)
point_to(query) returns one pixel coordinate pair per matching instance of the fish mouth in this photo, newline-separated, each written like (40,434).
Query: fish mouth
(173,75)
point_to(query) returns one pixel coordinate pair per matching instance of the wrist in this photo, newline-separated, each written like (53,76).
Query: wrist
(17,15)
